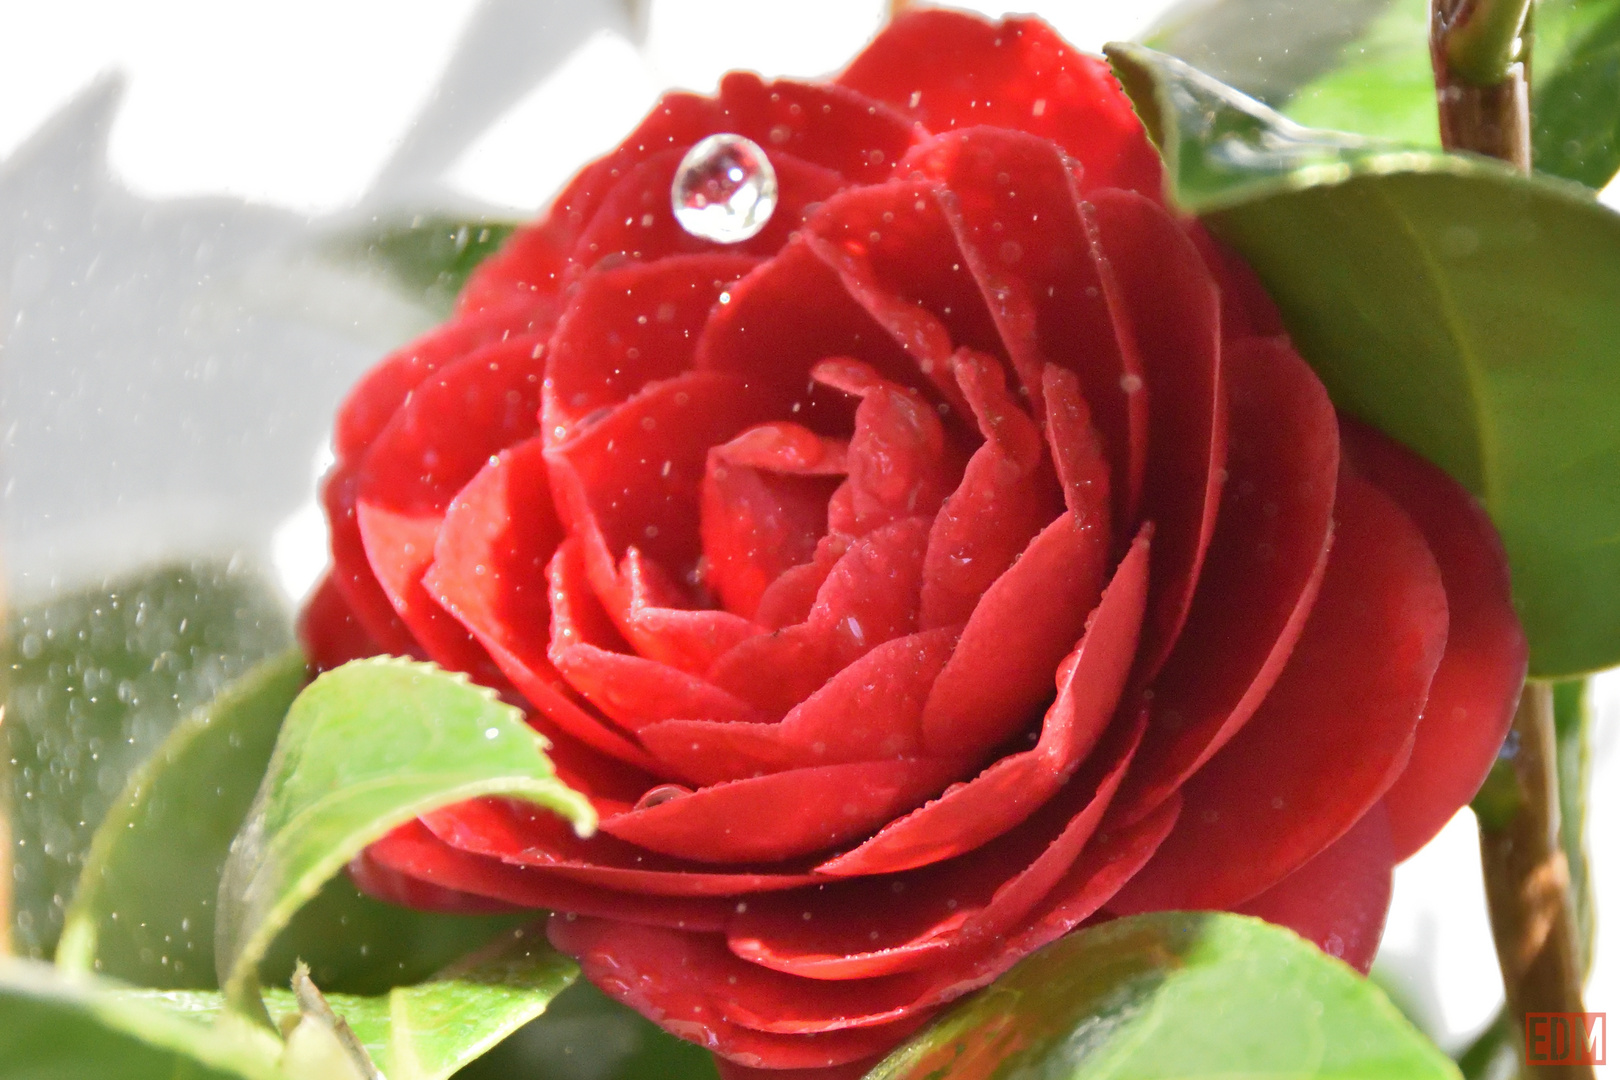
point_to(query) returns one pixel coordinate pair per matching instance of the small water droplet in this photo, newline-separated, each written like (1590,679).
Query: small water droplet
(661,794)
(725,189)
(492,733)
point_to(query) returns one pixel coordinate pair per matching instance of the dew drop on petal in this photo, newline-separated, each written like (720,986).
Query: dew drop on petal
(725,189)
(661,794)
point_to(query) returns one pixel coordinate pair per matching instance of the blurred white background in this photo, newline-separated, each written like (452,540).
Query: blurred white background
(177,332)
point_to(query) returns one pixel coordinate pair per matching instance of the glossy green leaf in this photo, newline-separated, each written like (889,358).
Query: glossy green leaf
(54,1028)
(1383,85)
(1576,99)
(586,1034)
(429,257)
(363,750)
(95,680)
(1174,994)
(430,1030)
(144,909)
(1464,309)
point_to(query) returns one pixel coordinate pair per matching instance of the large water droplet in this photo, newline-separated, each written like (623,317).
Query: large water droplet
(725,189)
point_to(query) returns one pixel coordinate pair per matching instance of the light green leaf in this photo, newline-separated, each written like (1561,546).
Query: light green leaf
(1174,994)
(1576,99)
(1464,309)
(144,909)
(430,1030)
(54,1028)
(363,750)
(1384,84)
(95,680)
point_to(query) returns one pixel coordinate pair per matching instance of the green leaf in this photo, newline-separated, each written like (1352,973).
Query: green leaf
(1576,100)
(1174,994)
(95,681)
(1572,722)
(430,1030)
(428,257)
(586,1034)
(1266,48)
(52,1028)
(1384,85)
(1464,309)
(1364,67)
(363,750)
(144,910)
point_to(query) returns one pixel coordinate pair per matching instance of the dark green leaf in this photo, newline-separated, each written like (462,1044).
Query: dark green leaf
(144,911)
(1174,994)
(585,1035)
(1266,48)
(1576,100)
(363,750)
(430,1030)
(1464,309)
(96,679)
(1572,719)
(52,1028)
(429,257)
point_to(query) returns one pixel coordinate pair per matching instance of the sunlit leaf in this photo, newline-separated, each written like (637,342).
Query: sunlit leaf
(1174,994)
(364,749)
(1462,308)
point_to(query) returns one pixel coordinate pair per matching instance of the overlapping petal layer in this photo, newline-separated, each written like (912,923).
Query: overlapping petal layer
(965,556)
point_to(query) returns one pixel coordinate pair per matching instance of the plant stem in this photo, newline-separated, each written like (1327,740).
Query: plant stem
(1481,77)
(1527,883)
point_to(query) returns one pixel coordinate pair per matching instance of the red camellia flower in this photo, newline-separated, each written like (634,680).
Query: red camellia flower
(962,557)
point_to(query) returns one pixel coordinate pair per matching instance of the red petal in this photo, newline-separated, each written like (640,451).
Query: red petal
(374,400)
(329,631)
(1006,497)
(783,319)
(1089,683)
(874,926)
(627,327)
(415,852)
(1263,570)
(687,984)
(954,70)
(870,710)
(1332,735)
(822,123)
(489,571)
(1166,303)
(1476,687)
(1339,899)
(525,835)
(765,508)
(870,596)
(438,441)
(784,814)
(1050,290)
(351,570)
(1246,308)
(383,883)
(855,1070)
(1076,449)
(1024,625)
(898,461)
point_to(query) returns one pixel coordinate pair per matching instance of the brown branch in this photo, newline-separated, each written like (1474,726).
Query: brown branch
(1480,77)
(1527,882)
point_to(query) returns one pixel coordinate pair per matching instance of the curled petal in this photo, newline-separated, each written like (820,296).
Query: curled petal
(1089,684)
(1476,687)
(1331,736)
(1022,627)
(954,70)
(1263,570)
(785,814)
(1340,898)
